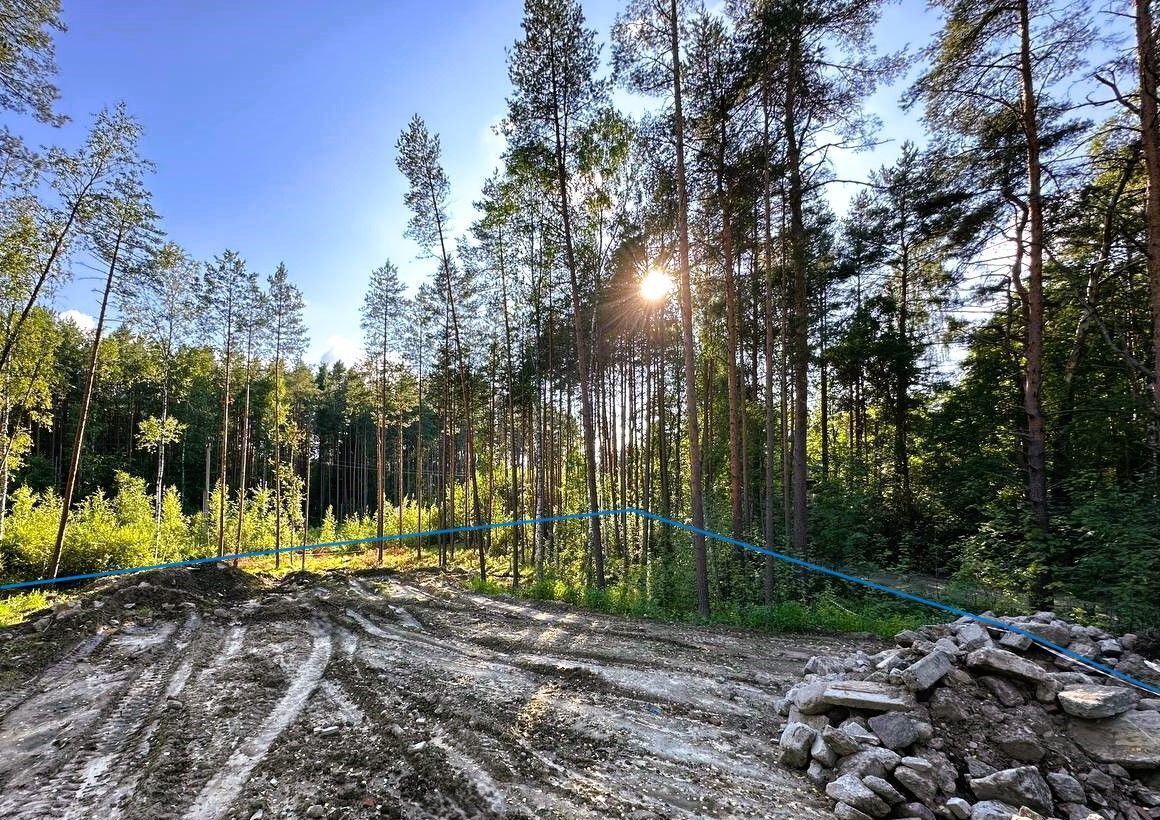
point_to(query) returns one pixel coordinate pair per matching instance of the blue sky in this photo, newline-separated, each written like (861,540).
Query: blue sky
(273,123)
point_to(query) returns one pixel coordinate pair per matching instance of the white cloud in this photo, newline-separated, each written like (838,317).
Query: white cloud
(341,349)
(79,318)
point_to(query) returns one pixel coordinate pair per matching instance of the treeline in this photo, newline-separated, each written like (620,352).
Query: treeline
(956,375)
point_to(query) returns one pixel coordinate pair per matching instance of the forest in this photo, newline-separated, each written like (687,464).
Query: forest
(955,376)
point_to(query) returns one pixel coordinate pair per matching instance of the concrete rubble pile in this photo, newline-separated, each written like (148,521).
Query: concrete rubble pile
(967,722)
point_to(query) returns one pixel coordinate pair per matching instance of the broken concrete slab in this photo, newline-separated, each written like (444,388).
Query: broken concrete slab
(1131,739)
(1095,702)
(993,659)
(873,697)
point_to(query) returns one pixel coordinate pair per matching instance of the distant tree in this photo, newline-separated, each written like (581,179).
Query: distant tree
(225,285)
(419,161)
(648,42)
(382,309)
(163,306)
(287,339)
(253,324)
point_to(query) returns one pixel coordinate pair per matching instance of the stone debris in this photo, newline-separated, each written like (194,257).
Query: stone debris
(967,721)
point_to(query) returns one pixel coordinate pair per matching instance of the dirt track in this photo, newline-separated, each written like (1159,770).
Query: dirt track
(202,697)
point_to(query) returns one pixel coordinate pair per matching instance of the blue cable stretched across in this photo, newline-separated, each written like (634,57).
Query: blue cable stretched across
(1107,670)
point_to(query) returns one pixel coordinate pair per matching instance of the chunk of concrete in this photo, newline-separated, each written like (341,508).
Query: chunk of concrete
(1131,739)
(873,697)
(1000,661)
(927,671)
(1095,702)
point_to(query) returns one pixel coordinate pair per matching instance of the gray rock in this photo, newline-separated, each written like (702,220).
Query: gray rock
(919,764)
(1006,692)
(1129,641)
(796,740)
(977,768)
(959,808)
(896,730)
(992,810)
(1095,702)
(972,636)
(1066,788)
(316,811)
(874,761)
(914,810)
(1085,649)
(948,646)
(873,697)
(807,697)
(921,785)
(993,659)
(1015,640)
(927,671)
(1076,811)
(1111,647)
(824,665)
(850,790)
(857,729)
(818,774)
(883,789)
(844,811)
(1057,632)
(1020,745)
(821,751)
(838,739)
(815,722)
(906,637)
(1023,786)
(1047,690)
(1149,704)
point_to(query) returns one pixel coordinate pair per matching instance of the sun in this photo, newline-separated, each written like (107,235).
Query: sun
(656,285)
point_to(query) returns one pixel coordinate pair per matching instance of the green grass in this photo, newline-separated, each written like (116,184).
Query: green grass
(15,608)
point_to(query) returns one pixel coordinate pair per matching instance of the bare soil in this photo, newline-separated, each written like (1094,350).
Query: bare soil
(202,694)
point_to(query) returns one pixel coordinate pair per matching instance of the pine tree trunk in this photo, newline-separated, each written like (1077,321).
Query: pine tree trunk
(86,400)
(1036,436)
(696,496)
(1147,59)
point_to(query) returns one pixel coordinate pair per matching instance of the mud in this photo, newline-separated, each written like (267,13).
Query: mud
(204,695)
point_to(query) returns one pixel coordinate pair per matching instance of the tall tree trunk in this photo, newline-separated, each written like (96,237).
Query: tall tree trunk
(696,496)
(770,434)
(583,353)
(800,325)
(1036,438)
(86,400)
(1148,61)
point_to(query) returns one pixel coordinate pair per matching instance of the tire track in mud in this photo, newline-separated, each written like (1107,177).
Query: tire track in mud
(224,786)
(497,752)
(125,774)
(412,699)
(680,735)
(54,673)
(58,797)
